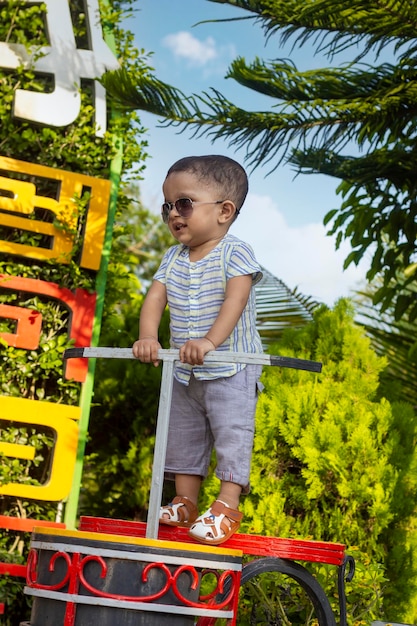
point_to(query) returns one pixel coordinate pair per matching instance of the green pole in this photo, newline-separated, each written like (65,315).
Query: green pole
(71,506)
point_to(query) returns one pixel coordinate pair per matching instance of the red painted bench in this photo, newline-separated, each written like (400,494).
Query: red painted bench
(277,554)
(254,545)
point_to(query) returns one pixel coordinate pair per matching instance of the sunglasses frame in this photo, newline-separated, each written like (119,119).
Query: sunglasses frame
(167,207)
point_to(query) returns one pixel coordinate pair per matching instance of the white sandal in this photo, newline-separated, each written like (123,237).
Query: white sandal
(180,512)
(216,525)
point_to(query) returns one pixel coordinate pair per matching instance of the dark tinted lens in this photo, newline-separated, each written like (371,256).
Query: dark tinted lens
(165,209)
(184,207)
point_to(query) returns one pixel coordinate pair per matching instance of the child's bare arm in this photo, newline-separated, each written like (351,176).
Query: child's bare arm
(147,346)
(236,297)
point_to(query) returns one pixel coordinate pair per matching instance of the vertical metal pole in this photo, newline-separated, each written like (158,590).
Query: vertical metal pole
(159,455)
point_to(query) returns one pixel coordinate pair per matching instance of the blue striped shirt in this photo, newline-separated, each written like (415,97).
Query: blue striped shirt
(195,293)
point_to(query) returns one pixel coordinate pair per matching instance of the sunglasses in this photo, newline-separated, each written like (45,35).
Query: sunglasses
(183,206)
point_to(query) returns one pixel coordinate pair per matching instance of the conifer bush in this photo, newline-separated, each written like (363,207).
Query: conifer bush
(335,462)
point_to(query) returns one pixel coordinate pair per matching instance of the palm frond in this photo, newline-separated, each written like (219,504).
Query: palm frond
(332,25)
(146,93)
(394,340)
(279,308)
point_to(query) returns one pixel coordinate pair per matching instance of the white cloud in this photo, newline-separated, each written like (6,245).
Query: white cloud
(302,257)
(184,46)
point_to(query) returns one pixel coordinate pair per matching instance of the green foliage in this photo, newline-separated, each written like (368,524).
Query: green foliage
(22,24)
(395,339)
(38,374)
(400,537)
(274,598)
(332,462)
(25,472)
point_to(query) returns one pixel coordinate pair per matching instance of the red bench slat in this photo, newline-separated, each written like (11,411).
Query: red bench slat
(25,524)
(255,545)
(20,524)
(13,569)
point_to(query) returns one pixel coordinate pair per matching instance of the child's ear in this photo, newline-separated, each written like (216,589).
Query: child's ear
(228,211)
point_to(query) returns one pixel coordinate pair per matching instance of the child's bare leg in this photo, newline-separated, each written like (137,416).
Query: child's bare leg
(230,494)
(188,485)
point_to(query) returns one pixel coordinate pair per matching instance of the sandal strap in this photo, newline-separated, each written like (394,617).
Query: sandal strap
(221,508)
(176,512)
(217,524)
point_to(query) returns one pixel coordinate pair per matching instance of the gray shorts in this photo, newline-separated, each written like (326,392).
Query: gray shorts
(214,413)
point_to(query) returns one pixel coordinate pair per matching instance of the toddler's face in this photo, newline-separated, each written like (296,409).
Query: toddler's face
(205,223)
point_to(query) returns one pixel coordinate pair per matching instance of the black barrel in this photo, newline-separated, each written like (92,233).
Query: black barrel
(91,579)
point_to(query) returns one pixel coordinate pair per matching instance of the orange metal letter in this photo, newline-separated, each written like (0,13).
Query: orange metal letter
(81,305)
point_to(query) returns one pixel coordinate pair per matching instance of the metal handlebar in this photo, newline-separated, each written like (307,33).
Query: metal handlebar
(168,358)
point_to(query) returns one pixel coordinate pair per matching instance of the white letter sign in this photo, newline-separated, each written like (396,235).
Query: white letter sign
(67,64)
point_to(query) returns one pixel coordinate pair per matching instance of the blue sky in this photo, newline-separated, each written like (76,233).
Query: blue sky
(283,215)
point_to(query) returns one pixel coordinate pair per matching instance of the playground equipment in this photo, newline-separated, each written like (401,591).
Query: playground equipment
(134,574)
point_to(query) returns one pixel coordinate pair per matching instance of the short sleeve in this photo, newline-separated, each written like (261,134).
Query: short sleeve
(242,261)
(161,272)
